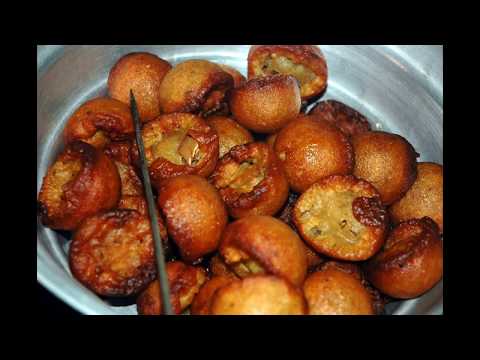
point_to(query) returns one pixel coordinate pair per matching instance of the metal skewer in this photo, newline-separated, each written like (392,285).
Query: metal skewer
(162,273)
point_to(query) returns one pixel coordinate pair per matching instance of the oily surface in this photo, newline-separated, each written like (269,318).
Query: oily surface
(230,133)
(202,301)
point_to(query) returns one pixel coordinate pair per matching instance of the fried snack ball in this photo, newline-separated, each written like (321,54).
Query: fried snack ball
(310,150)
(258,295)
(266,104)
(194,86)
(217,267)
(202,301)
(348,120)
(411,262)
(142,73)
(194,213)
(230,133)
(305,62)
(251,181)
(238,79)
(342,217)
(335,291)
(388,161)
(81,182)
(184,281)
(264,245)
(98,121)
(112,253)
(424,198)
(177,144)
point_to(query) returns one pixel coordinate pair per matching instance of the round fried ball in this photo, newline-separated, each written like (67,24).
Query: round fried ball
(238,79)
(258,295)
(305,62)
(333,291)
(264,245)
(342,217)
(230,133)
(81,182)
(266,104)
(310,150)
(177,144)
(411,262)
(348,120)
(113,253)
(388,161)
(194,213)
(424,198)
(142,73)
(202,301)
(98,121)
(251,181)
(196,86)
(184,281)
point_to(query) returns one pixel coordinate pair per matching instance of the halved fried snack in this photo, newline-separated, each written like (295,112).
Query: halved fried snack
(195,86)
(250,180)
(342,217)
(177,144)
(185,282)
(411,262)
(81,182)
(266,104)
(142,73)
(112,253)
(230,133)
(264,245)
(305,62)
(258,295)
(98,121)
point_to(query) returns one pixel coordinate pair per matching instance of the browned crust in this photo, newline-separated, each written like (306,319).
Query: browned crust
(238,78)
(91,254)
(411,261)
(207,138)
(230,133)
(202,302)
(347,119)
(375,232)
(304,164)
(122,151)
(308,55)
(101,114)
(268,196)
(194,213)
(270,243)
(95,188)
(266,104)
(195,95)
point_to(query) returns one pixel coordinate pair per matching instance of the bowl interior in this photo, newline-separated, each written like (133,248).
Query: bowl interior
(399,88)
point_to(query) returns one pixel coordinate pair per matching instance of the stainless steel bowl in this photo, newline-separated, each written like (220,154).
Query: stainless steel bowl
(400,88)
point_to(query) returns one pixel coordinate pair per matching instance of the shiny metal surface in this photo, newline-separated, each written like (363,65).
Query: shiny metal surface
(400,89)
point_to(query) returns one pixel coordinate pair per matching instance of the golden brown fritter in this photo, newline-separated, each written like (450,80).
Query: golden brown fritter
(348,120)
(264,245)
(258,295)
(113,253)
(194,86)
(411,262)
(81,182)
(424,198)
(202,301)
(388,161)
(342,217)
(238,79)
(194,213)
(142,73)
(177,144)
(184,281)
(98,121)
(310,150)
(333,291)
(251,181)
(266,104)
(305,62)
(230,133)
